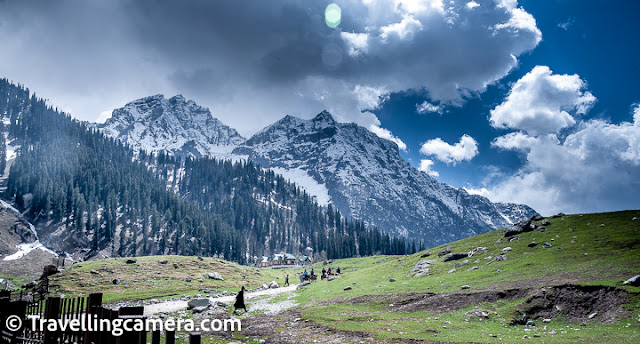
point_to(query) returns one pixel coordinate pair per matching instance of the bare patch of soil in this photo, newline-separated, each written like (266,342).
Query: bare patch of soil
(576,303)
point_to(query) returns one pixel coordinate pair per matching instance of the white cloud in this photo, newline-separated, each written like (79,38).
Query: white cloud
(540,102)
(427,107)
(426,165)
(481,191)
(472,4)
(466,149)
(596,168)
(370,98)
(357,42)
(405,29)
(517,140)
(386,134)
(566,24)
(104,116)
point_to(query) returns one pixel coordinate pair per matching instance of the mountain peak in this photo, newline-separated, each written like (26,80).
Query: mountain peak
(324,117)
(173,125)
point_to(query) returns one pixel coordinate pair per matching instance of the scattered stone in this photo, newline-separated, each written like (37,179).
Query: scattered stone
(94,272)
(273,285)
(477,313)
(541,229)
(514,238)
(116,281)
(445,251)
(392,279)
(545,223)
(265,286)
(572,242)
(557,215)
(506,249)
(207,291)
(198,302)
(571,230)
(347,288)
(455,256)
(187,279)
(547,245)
(592,315)
(452,271)
(499,270)
(199,309)
(553,333)
(602,225)
(501,258)
(547,320)
(633,219)
(426,254)
(465,287)
(221,304)
(476,250)
(162,262)
(472,268)
(633,281)
(302,285)
(530,323)
(216,276)
(331,278)
(175,266)
(354,269)
(533,244)
(131,261)
(422,268)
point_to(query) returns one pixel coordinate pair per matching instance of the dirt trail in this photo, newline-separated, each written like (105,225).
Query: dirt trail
(174,306)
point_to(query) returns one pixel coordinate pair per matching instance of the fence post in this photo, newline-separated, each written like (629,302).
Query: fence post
(93,302)
(170,337)
(52,311)
(155,337)
(194,338)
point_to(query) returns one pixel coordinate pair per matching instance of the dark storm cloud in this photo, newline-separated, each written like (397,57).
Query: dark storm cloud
(271,58)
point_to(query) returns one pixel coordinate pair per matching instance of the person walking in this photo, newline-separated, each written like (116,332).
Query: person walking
(286,280)
(240,301)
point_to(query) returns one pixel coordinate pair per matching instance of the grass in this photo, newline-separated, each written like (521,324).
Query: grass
(590,254)
(150,279)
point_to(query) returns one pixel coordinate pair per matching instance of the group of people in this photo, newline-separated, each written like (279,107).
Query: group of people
(329,272)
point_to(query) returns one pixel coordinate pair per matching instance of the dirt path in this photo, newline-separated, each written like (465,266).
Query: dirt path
(174,306)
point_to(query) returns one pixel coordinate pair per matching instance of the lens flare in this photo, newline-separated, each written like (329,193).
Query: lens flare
(333,15)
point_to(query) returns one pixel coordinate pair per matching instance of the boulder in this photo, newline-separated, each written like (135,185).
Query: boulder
(187,279)
(331,278)
(533,244)
(426,254)
(220,304)
(476,250)
(200,302)
(207,291)
(175,266)
(445,251)
(633,281)
(392,279)
(547,245)
(506,249)
(302,285)
(94,272)
(477,313)
(422,267)
(536,218)
(162,262)
(545,222)
(501,258)
(466,286)
(530,323)
(216,276)
(265,286)
(347,288)
(199,309)
(472,268)
(455,256)
(131,261)
(273,285)
(116,281)
(452,271)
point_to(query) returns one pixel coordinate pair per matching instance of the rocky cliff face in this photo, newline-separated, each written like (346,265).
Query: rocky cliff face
(365,177)
(172,125)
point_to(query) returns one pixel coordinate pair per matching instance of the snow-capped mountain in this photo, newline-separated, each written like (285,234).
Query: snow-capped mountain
(365,177)
(173,125)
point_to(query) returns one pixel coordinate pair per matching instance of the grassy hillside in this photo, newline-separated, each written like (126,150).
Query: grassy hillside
(148,278)
(587,250)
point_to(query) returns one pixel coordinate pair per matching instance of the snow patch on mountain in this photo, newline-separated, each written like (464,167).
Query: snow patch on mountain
(174,125)
(304,180)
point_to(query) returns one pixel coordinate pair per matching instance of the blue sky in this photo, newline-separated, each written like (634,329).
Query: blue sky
(523,101)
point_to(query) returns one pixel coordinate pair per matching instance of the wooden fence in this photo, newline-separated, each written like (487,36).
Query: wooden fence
(68,309)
